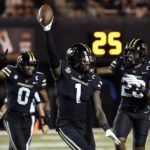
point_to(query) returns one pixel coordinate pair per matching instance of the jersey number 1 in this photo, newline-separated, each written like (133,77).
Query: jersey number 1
(78,93)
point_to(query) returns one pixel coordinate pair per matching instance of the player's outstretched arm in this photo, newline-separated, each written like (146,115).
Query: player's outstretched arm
(104,71)
(53,59)
(45,18)
(111,69)
(101,117)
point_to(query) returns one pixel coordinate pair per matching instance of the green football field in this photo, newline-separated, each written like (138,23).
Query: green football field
(53,142)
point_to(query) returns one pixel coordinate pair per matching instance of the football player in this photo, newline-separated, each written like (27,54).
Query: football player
(133,111)
(76,86)
(25,86)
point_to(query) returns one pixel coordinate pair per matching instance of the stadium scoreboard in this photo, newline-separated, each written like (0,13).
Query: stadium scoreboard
(111,39)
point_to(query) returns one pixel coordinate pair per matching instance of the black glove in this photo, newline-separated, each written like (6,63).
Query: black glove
(3,58)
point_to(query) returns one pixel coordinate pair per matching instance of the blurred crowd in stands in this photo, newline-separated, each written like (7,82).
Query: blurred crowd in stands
(77,8)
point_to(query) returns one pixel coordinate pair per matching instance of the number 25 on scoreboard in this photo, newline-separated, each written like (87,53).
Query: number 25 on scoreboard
(102,41)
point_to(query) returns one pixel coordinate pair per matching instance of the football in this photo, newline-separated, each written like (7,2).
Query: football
(46,13)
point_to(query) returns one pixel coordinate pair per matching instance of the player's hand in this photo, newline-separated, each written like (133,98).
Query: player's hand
(110,134)
(45,128)
(40,20)
(132,80)
(3,57)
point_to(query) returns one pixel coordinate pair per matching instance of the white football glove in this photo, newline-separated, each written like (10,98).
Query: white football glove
(47,27)
(132,80)
(111,135)
(124,81)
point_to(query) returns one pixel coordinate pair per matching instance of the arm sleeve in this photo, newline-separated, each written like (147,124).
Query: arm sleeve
(42,82)
(53,60)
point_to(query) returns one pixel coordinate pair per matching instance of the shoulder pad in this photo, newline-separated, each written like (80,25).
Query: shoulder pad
(40,78)
(65,66)
(96,78)
(40,75)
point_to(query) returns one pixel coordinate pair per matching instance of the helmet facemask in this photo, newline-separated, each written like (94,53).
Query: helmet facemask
(86,63)
(30,69)
(132,58)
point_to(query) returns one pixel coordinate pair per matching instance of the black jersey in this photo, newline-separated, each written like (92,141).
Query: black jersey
(131,97)
(22,92)
(75,93)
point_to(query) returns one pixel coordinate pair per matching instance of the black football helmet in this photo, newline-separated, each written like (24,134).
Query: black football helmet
(135,45)
(78,56)
(26,59)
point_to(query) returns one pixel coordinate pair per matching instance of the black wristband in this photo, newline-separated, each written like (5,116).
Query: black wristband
(105,127)
(46,118)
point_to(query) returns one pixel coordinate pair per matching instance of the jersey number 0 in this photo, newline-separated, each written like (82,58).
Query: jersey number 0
(20,99)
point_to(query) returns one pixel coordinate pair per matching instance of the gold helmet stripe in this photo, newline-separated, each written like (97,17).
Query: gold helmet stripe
(87,48)
(30,57)
(131,42)
(33,56)
(135,42)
